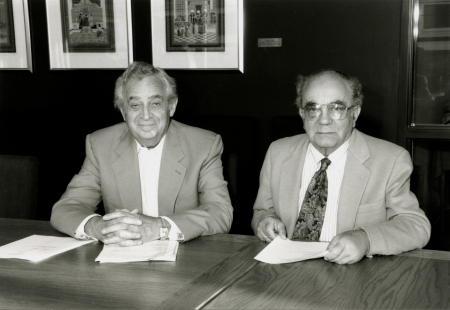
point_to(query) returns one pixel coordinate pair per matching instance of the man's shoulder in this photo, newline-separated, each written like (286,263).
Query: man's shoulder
(195,142)
(377,145)
(112,130)
(193,134)
(289,142)
(377,151)
(112,133)
(285,147)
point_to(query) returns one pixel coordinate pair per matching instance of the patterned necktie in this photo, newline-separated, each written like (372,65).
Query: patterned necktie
(312,213)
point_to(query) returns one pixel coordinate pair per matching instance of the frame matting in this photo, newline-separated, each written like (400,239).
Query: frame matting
(89,34)
(15,40)
(7,37)
(169,20)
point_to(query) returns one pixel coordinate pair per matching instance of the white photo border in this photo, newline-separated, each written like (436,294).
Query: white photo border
(21,59)
(231,59)
(120,59)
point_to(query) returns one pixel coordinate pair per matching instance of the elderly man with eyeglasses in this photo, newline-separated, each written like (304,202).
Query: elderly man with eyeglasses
(335,184)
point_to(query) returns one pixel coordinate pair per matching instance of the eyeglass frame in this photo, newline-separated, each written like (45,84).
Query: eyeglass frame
(327,105)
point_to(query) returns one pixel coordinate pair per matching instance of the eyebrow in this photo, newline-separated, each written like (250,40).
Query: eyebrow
(335,102)
(151,97)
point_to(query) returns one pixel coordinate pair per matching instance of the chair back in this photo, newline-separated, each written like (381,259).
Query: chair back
(18,186)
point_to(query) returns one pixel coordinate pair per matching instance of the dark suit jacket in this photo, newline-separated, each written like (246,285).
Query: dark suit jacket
(374,193)
(192,191)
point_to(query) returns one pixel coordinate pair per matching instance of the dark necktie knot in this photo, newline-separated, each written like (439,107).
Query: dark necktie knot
(324,164)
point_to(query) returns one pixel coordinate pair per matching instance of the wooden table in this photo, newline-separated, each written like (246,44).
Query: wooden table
(73,280)
(217,272)
(389,282)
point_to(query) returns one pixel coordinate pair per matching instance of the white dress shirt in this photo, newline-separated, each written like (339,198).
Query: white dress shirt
(335,173)
(149,166)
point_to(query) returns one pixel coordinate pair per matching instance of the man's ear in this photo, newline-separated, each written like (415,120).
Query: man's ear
(173,107)
(355,114)
(302,113)
(123,114)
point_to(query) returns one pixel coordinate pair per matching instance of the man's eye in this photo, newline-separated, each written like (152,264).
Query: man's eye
(311,108)
(135,105)
(339,107)
(156,103)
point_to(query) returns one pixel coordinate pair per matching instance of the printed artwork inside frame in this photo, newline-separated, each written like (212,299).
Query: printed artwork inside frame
(195,25)
(88,26)
(7,39)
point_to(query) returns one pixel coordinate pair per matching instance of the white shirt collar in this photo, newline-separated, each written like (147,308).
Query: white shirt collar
(156,149)
(334,157)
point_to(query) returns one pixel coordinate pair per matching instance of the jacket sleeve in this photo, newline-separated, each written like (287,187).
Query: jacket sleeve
(214,213)
(81,197)
(406,227)
(264,206)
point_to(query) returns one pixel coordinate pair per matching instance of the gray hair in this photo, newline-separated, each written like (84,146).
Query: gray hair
(139,70)
(353,83)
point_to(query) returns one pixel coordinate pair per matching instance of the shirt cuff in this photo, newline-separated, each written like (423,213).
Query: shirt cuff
(80,233)
(174,233)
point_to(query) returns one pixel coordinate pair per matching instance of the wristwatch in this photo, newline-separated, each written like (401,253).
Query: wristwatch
(163,231)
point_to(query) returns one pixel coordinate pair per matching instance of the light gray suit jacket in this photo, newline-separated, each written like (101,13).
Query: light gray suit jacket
(374,195)
(192,191)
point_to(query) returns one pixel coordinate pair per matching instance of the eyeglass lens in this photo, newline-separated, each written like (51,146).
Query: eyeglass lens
(335,110)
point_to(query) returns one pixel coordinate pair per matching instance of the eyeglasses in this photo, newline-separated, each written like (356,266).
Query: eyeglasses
(335,110)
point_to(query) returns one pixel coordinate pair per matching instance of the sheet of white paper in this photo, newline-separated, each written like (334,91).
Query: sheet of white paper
(281,251)
(155,250)
(36,247)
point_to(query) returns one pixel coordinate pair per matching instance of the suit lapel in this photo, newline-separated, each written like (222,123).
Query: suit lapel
(171,173)
(290,183)
(126,171)
(354,182)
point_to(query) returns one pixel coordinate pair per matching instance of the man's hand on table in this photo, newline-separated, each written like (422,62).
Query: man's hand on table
(348,247)
(125,228)
(271,227)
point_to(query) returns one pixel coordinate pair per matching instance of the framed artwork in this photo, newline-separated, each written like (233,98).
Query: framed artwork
(89,34)
(88,26)
(7,37)
(195,26)
(197,34)
(15,42)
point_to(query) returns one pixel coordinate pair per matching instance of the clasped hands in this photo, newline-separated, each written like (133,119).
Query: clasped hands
(124,227)
(346,248)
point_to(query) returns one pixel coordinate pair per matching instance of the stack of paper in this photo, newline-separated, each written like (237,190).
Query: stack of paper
(281,251)
(36,248)
(156,250)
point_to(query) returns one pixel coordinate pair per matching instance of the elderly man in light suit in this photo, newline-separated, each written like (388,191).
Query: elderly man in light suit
(158,178)
(369,208)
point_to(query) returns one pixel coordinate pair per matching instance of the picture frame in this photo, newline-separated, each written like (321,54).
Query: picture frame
(15,50)
(89,34)
(195,27)
(84,32)
(193,54)
(7,37)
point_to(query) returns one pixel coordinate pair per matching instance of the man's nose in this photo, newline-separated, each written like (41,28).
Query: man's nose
(146,112)
(324,117)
